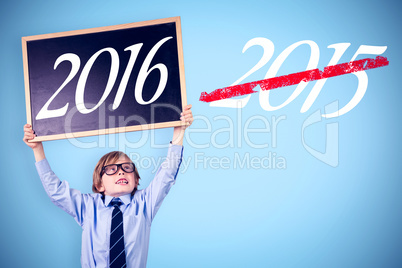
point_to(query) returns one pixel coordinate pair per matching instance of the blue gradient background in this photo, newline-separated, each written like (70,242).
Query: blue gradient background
(307,215)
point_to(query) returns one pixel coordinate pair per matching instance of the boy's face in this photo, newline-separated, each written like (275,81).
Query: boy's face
(120,183)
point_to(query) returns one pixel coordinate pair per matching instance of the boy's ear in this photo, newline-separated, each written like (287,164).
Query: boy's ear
(101,188)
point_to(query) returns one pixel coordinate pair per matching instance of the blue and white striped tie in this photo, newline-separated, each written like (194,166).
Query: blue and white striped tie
(117,253)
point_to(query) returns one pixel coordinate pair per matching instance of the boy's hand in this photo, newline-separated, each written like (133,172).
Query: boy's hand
(37,147)
(187,119)
(29,134)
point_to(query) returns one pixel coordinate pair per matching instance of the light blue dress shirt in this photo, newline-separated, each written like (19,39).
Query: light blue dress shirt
(93,213)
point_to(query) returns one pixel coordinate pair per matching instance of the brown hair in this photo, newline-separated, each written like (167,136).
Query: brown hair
(109,158)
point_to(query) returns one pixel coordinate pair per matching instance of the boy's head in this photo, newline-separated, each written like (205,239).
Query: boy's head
(115,175)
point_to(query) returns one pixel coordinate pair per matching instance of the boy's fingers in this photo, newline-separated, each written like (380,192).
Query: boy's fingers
(188,112)
(186,115)
(29,134)
(188,107)
(188,119)
(27,126)
(29,137)
(29,131)
(26,138)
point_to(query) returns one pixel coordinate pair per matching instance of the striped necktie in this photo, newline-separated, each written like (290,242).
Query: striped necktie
(117,253)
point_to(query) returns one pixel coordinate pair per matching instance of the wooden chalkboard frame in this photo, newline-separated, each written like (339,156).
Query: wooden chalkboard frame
(112,130)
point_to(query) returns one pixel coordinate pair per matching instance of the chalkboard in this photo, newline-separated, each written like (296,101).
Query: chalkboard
(104,80)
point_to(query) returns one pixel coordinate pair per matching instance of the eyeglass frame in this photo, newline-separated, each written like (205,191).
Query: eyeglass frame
(117,169)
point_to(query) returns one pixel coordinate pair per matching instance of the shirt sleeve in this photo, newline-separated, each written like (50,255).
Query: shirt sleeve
(66,198)
(164,179)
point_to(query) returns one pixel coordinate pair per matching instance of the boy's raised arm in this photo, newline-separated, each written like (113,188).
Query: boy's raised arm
(37,147)
(68,199)
(187,119)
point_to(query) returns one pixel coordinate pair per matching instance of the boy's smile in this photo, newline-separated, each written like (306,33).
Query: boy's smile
(120,183)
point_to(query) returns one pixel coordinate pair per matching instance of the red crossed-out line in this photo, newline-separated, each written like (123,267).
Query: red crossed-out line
(295,78)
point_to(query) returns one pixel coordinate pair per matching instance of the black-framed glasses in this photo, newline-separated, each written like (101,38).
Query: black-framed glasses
(113,168)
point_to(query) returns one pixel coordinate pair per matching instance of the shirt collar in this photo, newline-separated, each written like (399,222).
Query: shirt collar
(126,199)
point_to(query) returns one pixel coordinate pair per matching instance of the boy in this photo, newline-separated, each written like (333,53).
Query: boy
(116,220)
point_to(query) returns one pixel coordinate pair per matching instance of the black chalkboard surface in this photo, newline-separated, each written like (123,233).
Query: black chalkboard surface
(104,80)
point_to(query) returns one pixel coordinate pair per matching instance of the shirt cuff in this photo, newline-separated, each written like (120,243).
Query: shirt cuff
(175,148)
(43,167)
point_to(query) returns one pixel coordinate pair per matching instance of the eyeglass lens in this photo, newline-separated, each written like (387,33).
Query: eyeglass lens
(112,169)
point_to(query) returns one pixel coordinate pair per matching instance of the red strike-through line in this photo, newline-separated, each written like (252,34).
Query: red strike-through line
(295,78)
